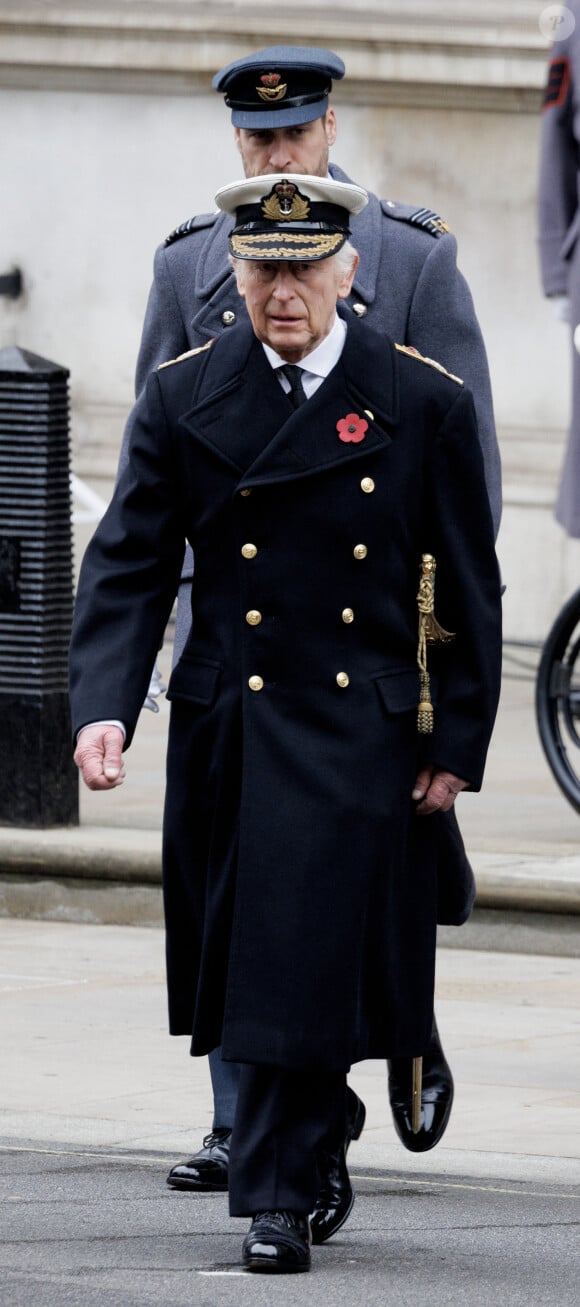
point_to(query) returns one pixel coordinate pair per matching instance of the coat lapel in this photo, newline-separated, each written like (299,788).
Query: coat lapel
(241,413)
(238,402)
(364,383)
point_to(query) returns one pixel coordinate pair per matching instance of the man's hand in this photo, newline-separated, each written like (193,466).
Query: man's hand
(436,790)
(98,756)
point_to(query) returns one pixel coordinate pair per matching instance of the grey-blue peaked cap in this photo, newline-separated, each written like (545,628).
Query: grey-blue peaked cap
(281,86)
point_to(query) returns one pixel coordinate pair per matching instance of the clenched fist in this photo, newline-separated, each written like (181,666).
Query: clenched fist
(99,756)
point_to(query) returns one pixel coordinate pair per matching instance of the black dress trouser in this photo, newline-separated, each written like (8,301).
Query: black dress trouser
(283,1120)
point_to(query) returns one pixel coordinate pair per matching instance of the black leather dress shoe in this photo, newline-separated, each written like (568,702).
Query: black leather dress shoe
(335,1197)
(277,1242)
(436,1096)
(208,1170)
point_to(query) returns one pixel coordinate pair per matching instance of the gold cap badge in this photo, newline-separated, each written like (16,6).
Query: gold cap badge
(272,88)
(285,203)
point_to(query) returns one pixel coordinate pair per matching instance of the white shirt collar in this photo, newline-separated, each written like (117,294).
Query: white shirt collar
(322,359)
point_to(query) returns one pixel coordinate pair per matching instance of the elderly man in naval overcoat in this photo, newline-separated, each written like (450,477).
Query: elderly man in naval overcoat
(559,228)
(407,285)
(309,808)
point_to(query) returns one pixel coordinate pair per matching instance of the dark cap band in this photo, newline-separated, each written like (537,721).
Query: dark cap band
(292,102)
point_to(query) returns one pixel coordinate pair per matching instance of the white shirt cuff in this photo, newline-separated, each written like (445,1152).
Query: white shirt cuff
(109,721)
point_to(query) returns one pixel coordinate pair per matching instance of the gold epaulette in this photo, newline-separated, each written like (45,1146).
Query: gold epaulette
(190,354)
(408,349)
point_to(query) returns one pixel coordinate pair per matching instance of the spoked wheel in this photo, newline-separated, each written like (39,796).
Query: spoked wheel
(558,700)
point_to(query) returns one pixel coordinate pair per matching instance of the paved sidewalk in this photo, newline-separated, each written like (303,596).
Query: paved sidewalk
(98,1102)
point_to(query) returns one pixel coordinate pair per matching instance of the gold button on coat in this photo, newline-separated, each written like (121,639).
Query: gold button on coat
(253,618)
(246,492)
(359,309)
(360,551)
(256,683)
(367,484)
(343,680)
(347,615)
(228,317)
(249,551)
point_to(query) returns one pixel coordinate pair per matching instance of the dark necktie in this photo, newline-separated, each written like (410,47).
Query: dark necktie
(293,375)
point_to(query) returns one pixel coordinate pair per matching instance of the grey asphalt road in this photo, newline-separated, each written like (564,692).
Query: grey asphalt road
(88,1228)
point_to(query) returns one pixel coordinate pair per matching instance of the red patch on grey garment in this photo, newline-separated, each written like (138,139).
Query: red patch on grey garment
(558,83)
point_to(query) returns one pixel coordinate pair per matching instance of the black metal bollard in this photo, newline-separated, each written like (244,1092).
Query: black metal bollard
(38,779)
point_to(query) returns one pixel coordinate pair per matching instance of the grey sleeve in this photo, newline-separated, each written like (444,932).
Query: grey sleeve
(557,182)
(164,331)
(443,326)
(164,336)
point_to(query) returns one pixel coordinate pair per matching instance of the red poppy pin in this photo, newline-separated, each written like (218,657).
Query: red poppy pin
(352,429)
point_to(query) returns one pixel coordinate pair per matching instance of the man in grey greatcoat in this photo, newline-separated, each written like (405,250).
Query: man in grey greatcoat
(407,285)
(559,229)
(322,720)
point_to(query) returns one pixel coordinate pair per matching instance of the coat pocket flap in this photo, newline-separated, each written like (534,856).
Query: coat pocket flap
(399,691)
(194,680)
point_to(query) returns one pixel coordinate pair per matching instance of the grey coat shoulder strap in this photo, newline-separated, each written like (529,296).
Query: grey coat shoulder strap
(196,223)
(426,219)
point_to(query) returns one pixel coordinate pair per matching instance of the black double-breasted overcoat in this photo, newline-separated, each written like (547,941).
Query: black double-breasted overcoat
(300,888)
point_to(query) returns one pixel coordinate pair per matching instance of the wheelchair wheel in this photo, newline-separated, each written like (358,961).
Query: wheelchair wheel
(558,700)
